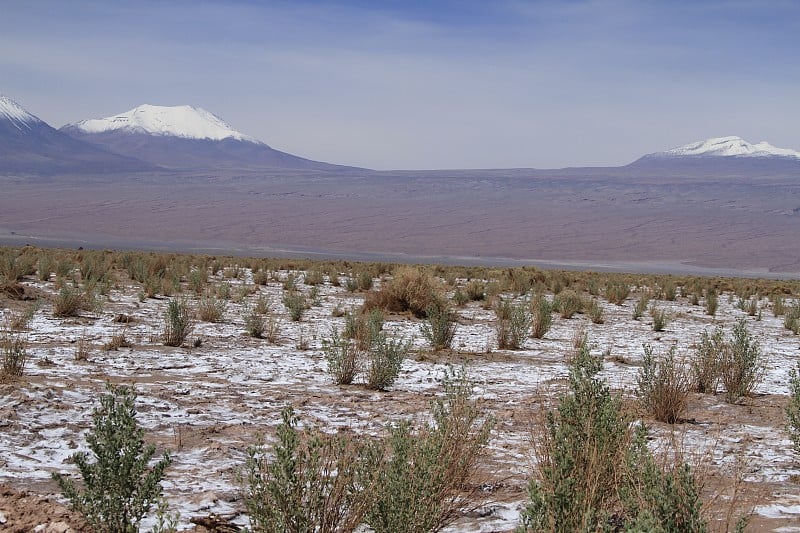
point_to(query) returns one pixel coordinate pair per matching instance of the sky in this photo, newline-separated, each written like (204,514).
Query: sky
(421,84)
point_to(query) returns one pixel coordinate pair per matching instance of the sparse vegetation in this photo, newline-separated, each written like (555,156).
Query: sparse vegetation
(706,364)
(663,386)
(541,316)
(512,324)
(15,354)
(742,364)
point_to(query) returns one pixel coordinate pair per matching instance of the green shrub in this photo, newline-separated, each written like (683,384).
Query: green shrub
(119,486)
(439,327)
(706,364)
(254,323)
(595,471)
(663,386)
(178,323)
(364,280)
(385,356)
(342,356)
(314,277)
(296,303)
(791,318)
(660,318)
(641,305)
(742,365)
(421,483)
(541,316)
(778,305)
(793,407)
(311,482)
(512,325)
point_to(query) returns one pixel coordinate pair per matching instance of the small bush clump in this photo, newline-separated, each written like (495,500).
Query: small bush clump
(568,302)
(793,408)
(385,356)
(342,356)
(178,323)
(663,386)
(211,309)
(513,324)
(742,364)
(410,290)
(439,327)
(15,355)
(706,364)
(296,303)
(541,316)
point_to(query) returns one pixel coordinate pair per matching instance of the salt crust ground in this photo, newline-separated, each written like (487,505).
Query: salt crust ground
(208,404)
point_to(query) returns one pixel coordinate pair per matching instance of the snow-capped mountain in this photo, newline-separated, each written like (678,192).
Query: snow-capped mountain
(28,145)
(729,146)
(13,115)
(182,121)
(730,156)
(184,137)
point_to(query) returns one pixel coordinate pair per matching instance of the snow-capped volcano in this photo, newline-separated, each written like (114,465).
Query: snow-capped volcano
(12,112)
(729,146)
(182,121)
(184,138)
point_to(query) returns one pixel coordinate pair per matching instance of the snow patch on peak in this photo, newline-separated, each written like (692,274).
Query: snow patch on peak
(730,146)
(177,121)
(16,114)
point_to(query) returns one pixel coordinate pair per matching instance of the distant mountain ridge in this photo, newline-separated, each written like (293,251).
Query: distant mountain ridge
(28,145)
(185,137)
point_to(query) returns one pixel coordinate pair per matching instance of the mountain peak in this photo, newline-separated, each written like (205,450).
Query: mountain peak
(182,121)
(728,146)
(16,114)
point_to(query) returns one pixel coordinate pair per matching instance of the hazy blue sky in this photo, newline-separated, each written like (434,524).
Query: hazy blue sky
(423,84)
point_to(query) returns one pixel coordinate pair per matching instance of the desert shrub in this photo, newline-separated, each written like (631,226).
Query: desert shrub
(778,305)
(116,342)
(742,364)
(342,356)
(791,318)
(211,309)
(198,280)
(296,303)
(411,290)
(422,480)
(475,290)
(21,319)
(616,292)
(711,301)
(13,266)
(262,305)
(15,354)
(793,407)
(311,482)
(663,386)
(705,366)
(70,301)
(513,324)
(364,280)
(660,499)
(595,312)
(439,327)
(119,486)
(660,318)
(364,329)
(45,265)
(178,323)
(641,305)
(460,298)
(595,471)
(94,267)
(351,284)
(541,316)
(581,455)
(254,323)
(670,291)
(568,302)
(261,277)
(385,356)
(314,277)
